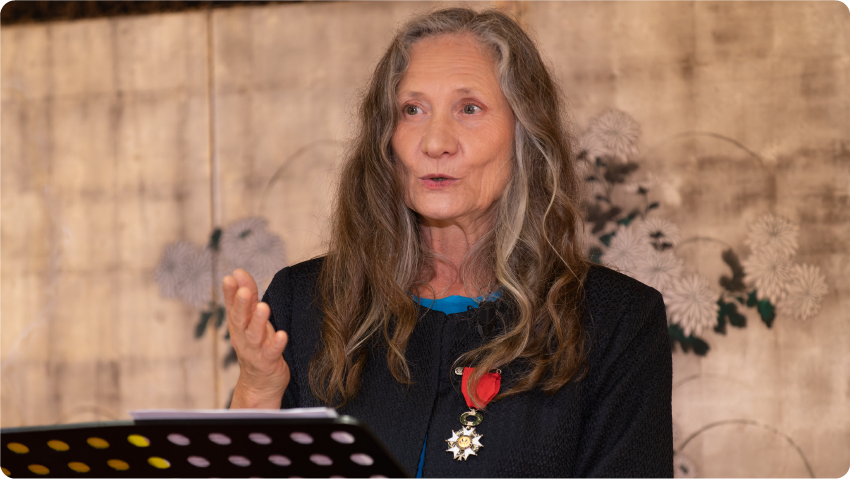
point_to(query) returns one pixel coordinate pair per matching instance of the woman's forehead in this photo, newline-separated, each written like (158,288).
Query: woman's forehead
(453,64)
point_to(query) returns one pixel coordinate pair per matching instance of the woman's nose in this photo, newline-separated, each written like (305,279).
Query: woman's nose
(439,138)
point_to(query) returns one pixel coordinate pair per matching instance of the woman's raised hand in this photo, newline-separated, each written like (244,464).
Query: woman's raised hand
(263,374)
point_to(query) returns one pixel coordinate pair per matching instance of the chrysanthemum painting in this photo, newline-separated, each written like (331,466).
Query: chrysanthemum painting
(805,290)
(771,232)
(658,269)
(769,271)
(186,271)
(691,304)
(640,242)
(612,134)
(627,247)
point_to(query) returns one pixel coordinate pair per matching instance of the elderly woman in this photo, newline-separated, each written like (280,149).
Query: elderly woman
(454,312)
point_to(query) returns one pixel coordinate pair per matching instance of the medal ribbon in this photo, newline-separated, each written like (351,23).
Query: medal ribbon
(487,389)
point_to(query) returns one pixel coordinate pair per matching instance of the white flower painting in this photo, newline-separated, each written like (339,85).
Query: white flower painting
(771,232)
(806,288)
(627,232)
(613,134)
(691,304)
(627,246)
(658,269)
(768,271)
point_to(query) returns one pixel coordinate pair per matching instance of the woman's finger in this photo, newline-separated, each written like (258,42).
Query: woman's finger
(245,280)
(229,287)
(275,345)
(255,330)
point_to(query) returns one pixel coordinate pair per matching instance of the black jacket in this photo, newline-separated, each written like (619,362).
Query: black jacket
(615,422)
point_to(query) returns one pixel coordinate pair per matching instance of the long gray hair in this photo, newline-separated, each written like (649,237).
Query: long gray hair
(377,255)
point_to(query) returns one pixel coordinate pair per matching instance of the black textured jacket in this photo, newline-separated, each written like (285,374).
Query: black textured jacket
(616,422)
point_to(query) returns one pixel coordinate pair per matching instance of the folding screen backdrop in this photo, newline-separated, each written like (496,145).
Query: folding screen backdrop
(144,156)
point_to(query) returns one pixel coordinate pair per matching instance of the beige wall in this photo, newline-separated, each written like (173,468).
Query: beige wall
(113,146)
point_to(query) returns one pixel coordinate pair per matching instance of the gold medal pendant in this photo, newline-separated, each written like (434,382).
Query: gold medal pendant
(466,442)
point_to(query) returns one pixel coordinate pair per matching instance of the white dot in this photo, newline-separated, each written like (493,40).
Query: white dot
(279,460)
(362,459)
(179,439)
(301,438)
(321,459)
(198,461)
(219,438)
(241,461)
(259,438)
(342,437)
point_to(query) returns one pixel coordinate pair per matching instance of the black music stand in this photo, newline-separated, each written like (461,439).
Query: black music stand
(199,447)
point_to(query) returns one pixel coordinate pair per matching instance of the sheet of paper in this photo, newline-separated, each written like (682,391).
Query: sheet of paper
(309,412)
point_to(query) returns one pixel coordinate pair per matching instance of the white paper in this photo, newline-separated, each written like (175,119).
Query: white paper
(298,413)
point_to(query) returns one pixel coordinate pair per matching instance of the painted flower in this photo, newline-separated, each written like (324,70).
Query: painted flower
(614,134)
(185,271)
(769,271)
(691,304)
(662,234)
(683,466)
(773,232)
(658,269)
(247,244)
(172,266)
(627,246)
(805,290)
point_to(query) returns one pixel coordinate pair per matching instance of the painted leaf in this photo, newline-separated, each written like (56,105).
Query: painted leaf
(230,358)
(215,239)
(677,335)
(596,255)
(767,312)
(728,311)
(220,316)
(606,239)
(752,299)
(736,281)
(652,206)
(617,172)
(202,324)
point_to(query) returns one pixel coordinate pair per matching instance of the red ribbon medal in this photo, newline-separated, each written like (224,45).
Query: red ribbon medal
(466,442)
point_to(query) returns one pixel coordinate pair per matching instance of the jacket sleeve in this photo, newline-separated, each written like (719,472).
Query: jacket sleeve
(628,431)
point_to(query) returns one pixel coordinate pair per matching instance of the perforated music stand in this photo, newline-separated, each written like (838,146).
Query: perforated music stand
(312,447)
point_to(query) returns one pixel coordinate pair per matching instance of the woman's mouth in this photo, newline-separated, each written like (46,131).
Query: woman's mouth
(435,182)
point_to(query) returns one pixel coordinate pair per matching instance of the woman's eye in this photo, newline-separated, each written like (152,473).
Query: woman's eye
(471,109)
(411,110)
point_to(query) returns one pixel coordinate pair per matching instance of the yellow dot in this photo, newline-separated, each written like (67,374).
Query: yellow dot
(140,441)
(18,448)
(118,464)
(57,445)
(78,467)
(97,443)
(6,471)
(38,469)
(159,463)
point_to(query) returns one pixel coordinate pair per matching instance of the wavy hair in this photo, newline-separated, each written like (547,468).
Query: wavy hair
(376,254)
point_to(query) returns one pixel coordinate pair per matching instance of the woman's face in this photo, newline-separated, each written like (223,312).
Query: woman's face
(455,133)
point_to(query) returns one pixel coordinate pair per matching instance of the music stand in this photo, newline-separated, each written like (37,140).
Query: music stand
(199,447)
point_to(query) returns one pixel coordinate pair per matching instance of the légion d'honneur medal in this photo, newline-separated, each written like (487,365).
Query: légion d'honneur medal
(466,442)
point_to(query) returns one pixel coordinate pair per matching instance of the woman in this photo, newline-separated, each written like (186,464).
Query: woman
(455,244)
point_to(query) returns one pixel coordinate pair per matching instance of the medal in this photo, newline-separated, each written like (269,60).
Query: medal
(466,442)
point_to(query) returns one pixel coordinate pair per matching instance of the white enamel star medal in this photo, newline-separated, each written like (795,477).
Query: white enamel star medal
(466,442)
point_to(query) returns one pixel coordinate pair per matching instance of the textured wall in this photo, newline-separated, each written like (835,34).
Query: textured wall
(122,136)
